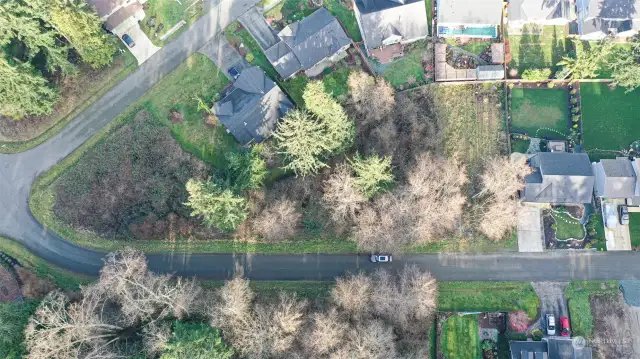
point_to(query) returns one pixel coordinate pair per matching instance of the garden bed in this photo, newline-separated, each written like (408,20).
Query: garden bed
(563,231)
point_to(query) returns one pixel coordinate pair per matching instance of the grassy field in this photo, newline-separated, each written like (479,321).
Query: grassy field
(86,87)
(549,107)
(169,13)
(610,119)
(567,227)
(519,145)
(408,71)
(289,11)
(460,337)
(634,228)
(577,295)
(488,297)
(538,52)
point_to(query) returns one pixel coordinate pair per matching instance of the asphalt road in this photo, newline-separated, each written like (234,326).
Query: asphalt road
(18,172)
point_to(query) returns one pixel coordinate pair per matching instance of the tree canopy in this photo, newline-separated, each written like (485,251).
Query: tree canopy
(24,92)
(196,341)
(218,207)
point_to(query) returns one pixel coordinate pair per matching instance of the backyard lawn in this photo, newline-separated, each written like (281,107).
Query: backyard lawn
(460,338)
(474,47)
(408,71)
(162,15)
(540,112)
(610,119)
(520,146)
(539,51)
(567,227)
(289,11)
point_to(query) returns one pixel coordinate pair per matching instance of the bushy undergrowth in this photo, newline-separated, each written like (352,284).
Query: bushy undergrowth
(132,182)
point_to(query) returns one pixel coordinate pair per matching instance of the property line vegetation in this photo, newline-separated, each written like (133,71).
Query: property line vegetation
(135,313)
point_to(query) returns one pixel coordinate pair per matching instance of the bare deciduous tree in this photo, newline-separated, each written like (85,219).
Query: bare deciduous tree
(326,333)
(369,340)
(372,98)
(143,295)
(232,309)
(353,294)
(156,336)
(278,221)
(504,177)
(341,195)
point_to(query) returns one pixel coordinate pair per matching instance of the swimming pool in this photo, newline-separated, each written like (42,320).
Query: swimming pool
(468,31)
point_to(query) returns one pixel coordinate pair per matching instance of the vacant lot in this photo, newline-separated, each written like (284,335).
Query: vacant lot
(612,336)
(540,112)
(610,119)
(488,297)
(289,11)
(539,51)
(460,338)
(578,295)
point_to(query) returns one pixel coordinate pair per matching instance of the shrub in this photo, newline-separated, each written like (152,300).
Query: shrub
(575,110)
(573,91)
(536,74)
(575,126)
(518,321)
(574,100)
(510,85)
(575,118)
(537,334)
(250,57)
(551,85)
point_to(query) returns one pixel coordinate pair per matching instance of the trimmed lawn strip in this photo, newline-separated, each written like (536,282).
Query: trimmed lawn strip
(60,277)
(567,227)
(610,119)
(429,6)
(634,228)
(487,297)
(400,71)
(539,52)
(93,93)
(289,11)
(533,110)
(578,294)
(460,337)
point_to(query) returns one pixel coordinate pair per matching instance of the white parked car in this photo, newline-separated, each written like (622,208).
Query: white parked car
(550,322)
(610,216)
(381,258)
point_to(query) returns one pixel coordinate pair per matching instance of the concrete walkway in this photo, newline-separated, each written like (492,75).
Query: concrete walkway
(530,235)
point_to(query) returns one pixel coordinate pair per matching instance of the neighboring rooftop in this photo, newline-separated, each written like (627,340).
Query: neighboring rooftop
(383,19)
(106,7)
(314,38)
(537,10)
(548,348)
(479,12)
(121,15)
(600,16)
(616,178)
(559,177)
(252,106)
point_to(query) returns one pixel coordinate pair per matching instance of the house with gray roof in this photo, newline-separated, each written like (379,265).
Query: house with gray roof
(469,18)
(251,107)
(387,24)
(310,45)
(598,19)
(616,178)
(559,178)
(549,348)
(543,12)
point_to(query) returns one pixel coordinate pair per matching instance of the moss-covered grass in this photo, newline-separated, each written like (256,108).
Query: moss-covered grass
(578,294)
(520,146)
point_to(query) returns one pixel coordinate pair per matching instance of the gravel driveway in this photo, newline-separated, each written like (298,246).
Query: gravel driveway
(552,301)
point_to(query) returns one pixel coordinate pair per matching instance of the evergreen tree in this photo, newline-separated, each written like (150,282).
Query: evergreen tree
(373,174)
(587,62)
(23,92)
(624,64)
(218,207)
(301,138)
(338,128)
(196,341)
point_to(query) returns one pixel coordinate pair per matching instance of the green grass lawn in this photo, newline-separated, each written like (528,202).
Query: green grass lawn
(634,228)
(289,11)
(335,82)
(578,294)
(429,6)
(237,35)
(474,47)
(460,338)
(537,52)
(599,241)
(488,297)
(520,146)
(537,110)
(567,227)
(169,13)
(610,119)
(407,71)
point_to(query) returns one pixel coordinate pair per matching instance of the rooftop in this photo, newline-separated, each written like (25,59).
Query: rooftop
(478,12)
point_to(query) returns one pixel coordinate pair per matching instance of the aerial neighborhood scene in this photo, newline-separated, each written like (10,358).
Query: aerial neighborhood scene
(323,179)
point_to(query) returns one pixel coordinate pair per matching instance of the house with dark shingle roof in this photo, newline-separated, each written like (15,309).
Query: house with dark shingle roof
(549,348)
(598,19)
(387,24)
(119,15)
(559,178)
(469,18)
(543,12)
(310,45)
(251,107)
(616,178)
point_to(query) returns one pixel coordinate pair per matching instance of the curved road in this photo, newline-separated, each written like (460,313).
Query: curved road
(18,172)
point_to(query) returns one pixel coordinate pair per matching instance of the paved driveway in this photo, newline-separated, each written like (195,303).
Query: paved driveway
(530,229)
(618,239)
(259,28)
(552,301)
(220,51)
(144,48)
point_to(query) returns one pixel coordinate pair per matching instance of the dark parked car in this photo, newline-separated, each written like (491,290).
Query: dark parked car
(233,72)
(128,40)
(624,214)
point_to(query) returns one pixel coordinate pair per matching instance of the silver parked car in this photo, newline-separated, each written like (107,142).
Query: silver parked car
(381,258)
(550,322)
(624,214)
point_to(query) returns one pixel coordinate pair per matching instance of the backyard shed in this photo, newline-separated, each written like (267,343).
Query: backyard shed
(490,72)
